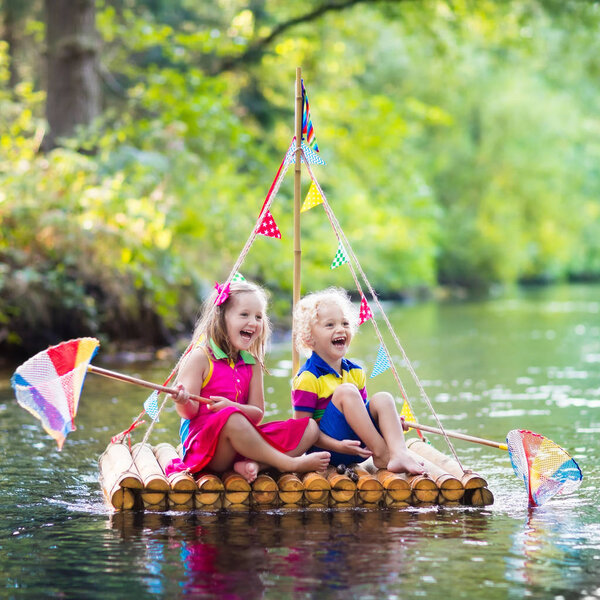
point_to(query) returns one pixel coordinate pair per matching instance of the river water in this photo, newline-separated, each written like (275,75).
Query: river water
(526,360)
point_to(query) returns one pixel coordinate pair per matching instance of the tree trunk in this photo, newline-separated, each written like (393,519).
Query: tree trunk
(73,85)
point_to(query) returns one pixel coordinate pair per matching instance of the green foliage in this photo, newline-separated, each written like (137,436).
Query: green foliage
(461,142)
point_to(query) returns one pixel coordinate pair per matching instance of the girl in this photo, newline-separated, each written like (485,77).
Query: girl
(226,367)
(332,389)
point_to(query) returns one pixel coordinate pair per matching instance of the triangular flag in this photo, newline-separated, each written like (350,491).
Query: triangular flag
(311,156)
(151,405)
(407,413)
(238,277)
(340,257)
(312,198)
(268,226)
(382,362)
(365,312)
(308,132)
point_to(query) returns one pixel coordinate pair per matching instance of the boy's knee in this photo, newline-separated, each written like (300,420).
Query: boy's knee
(346,392)
(382,399)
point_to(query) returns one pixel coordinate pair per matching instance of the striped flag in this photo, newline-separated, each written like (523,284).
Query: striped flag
(382,362)
(308,132)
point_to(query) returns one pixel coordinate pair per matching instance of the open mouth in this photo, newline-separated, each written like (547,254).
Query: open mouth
(246,335)
(339,342)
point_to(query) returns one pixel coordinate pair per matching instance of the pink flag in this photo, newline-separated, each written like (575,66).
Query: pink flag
(268,226)
(365,311)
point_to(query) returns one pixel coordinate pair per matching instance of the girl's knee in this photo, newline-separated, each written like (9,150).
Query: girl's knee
(312,431)
(236,422)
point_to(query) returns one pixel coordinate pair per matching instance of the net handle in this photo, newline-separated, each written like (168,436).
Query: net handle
(457,435)
(142,383)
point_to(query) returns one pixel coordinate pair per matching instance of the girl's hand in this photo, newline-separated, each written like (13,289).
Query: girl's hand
(405,427)
(354,447)
(181,396)
(219,402)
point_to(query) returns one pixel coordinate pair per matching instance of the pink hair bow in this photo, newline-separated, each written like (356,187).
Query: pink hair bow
(222,293)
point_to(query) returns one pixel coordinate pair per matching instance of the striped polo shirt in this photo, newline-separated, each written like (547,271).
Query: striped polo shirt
(313,387)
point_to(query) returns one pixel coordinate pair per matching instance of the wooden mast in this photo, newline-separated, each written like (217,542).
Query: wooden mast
(297,192)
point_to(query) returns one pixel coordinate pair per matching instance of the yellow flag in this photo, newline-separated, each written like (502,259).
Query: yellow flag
(407,413)
(312,198)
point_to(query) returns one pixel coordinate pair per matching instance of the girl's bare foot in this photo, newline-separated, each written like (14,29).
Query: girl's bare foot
(248,469)
(315,461)
(405,463)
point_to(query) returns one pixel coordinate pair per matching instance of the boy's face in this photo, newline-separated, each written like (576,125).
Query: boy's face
(330,334)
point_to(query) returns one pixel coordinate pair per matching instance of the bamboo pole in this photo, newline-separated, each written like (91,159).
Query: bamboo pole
(469,479)
(291,489)
(141,382)
(457,435)
(264,490)
(396,486)
(297,192)
(151,472)
(316,488)
(370,489)
(342,487)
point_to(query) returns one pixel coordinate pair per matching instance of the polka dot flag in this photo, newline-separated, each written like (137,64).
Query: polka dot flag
(382,362)
(238,277)
(268,226)
(340,257)
(313,198)
(365,312)
(407,413)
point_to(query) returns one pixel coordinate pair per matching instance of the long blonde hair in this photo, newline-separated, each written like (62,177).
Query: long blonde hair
(211,324)
(307,309)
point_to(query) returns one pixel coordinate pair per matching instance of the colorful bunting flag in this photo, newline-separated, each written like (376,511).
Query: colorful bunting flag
(340,257)
(312,157)
(308,132)
(313,198)
(238,277)
(407,413)
(151,405)
(365,312)
(382,362)
(268,226)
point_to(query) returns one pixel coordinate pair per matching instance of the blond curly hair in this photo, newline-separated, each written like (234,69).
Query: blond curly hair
(307,310)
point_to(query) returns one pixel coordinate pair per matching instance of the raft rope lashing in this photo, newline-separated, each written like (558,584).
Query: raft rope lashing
(341,236)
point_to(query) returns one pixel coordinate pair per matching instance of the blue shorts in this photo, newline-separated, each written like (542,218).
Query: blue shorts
(333,423)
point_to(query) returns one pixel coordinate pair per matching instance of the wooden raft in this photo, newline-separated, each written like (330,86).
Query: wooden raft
(141,484)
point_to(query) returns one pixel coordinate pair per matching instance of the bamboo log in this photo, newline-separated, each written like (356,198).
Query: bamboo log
(423,489)
(478,497)
(396,485)
(212,507)
(450,487)
(370,489)
(117,466)
(343,488)
(264,490)
(291,488)
(181,481)
(469,479)
(316,488)
(177,504)
(154,500)
(210,490)
(237,489)
(153,476)
(389,502)
(120,498)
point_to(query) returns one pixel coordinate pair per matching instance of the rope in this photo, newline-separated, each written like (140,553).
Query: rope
(340,233)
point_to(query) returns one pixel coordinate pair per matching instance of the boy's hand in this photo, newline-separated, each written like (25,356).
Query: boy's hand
(353,447)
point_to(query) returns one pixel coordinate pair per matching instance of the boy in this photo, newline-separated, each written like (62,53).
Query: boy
(332,389)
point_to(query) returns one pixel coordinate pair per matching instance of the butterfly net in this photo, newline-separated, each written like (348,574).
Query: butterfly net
(545,467)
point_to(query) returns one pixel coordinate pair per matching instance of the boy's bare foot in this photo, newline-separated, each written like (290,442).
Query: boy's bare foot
(315,461)
(405,463)
(248,469)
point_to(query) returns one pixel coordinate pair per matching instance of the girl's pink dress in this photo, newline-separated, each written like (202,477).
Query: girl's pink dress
(200,434)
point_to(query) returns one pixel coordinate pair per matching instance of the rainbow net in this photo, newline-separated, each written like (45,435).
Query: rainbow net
(49,384)
(545,467)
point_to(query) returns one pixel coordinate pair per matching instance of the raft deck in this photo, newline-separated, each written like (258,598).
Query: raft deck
(141,484)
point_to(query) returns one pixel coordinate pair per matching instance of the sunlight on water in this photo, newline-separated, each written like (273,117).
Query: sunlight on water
(531,362)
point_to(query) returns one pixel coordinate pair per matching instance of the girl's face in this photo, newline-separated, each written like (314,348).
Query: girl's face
(244,319)
(331,334)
